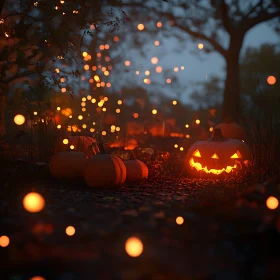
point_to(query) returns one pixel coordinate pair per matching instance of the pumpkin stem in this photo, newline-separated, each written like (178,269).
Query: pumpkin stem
(218,136)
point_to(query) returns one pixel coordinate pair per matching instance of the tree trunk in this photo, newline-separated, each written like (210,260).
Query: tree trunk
(231,104)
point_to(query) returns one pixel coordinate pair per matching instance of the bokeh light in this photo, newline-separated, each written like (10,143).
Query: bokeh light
(179,220)
(19,119)
(134,247)
(271,80)
(70,230)
(4,241)
(272,203)
(33,202)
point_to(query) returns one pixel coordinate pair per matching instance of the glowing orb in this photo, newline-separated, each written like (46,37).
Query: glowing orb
(33,202)
(134,247)
(19,119)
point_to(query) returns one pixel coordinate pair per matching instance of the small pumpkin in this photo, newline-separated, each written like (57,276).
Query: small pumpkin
(104,170)
(232,130)
(136,170)
(67,165)
(217,156)
(85,144)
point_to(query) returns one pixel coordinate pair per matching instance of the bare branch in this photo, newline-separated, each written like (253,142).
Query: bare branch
(202,36)
(17,76)
(263,16)
(225,16)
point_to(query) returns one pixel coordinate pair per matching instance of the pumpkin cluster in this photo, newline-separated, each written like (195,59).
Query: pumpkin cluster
(98,169)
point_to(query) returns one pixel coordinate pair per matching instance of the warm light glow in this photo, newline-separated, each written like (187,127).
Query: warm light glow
(118,128)
(92,130)
(33,202)
(59,126)
(86,67)
(140,26)
(154,111)
(200,46)
(147,81)
(236,155)
(127,63)
(211,129)
(119,102)
(176,69)
(83,104)
(147,72)
(154,60)
(197,153)
(168,80)
(135,115)
(137,72)
(118,111)
(58,108)
(134,247)
(84,126)
(65,141)
(37,278)
(179,220)
(176,146)
(199,167)
(187,126)
(116,38)
(272,203)
(4,241)
(104,133)
(84,99)
(271,80)
(80,117)
(182,67)
(72,147)
(197,121)
(158,69)
(174,102)
(156,43)
(188,136)
(104,109)
(93,100)
(19,119)
(35,113)
(159,24)
(70,230)
(215,156)
(181,148)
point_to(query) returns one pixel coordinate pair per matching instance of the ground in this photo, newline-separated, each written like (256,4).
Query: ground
(227,232)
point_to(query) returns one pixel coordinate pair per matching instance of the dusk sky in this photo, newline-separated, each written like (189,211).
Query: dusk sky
(172,53)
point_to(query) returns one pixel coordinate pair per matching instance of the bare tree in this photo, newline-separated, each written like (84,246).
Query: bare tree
(221,25)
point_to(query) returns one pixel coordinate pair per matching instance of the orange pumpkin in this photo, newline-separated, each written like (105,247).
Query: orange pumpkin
(104,170)
(217,156)
(232,130)
(136,170)
(67,165)
(85,144)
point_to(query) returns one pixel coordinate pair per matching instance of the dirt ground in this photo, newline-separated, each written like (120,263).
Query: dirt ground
(227,233)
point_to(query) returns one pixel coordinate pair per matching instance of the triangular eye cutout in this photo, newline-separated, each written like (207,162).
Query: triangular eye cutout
(215,156)
(196,153)
(236,155)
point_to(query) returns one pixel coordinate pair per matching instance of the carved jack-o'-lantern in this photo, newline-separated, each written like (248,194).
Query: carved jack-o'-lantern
(217,156)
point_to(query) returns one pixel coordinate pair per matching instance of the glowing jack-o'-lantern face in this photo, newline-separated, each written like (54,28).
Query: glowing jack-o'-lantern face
(217,156)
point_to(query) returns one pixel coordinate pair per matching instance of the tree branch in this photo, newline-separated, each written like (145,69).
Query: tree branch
(202,36)
(17,76)
(263,16)
(225,16)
